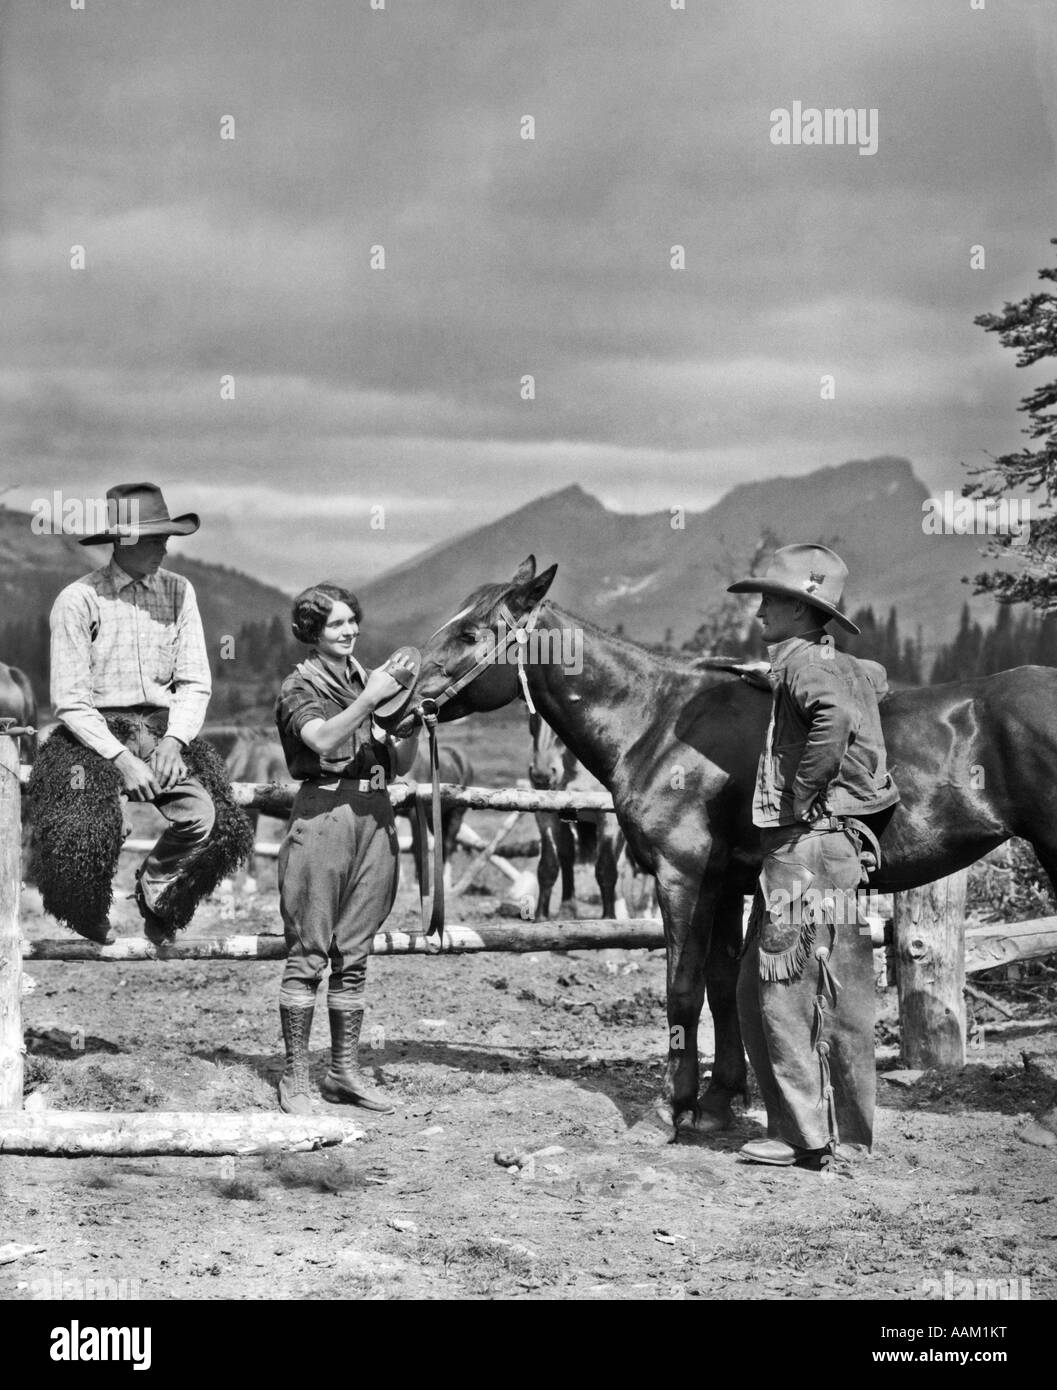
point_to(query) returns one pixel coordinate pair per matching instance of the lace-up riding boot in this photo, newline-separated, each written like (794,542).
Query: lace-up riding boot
(295,1096)
(344,1081)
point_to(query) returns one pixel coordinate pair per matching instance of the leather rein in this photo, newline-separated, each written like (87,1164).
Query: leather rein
(517,630)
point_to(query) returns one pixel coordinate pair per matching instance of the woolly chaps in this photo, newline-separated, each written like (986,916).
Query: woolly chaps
(75,807)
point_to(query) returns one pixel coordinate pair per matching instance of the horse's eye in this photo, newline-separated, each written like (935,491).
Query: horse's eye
(471,634)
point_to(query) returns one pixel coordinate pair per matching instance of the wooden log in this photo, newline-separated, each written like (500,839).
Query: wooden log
(88,1134)
(485,852)
(577,934)
(1001,942)
(930,955)
(276,798)
(596,932)
(11,1045)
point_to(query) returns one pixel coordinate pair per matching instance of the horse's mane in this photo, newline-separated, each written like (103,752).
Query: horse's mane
(683,665)
(486,597)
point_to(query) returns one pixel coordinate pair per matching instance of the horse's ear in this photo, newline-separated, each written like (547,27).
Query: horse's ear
(526,572)
(532,592)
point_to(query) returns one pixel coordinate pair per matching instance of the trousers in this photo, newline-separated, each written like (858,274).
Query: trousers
(187,807)
(337,885)
(805,992)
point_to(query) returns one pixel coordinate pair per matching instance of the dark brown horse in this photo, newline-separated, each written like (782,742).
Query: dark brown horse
(975,762)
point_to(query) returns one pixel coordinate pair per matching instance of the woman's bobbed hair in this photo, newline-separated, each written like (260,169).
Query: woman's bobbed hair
(312,609)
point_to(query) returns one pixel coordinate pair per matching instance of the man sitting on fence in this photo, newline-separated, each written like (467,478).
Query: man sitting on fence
(809,1035)
(130,685)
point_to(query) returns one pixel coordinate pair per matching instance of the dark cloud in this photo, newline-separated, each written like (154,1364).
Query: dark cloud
(506,256)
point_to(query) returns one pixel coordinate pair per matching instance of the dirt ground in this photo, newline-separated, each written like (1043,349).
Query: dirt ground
(495,1055)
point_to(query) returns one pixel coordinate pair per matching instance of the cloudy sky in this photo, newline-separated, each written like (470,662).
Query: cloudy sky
(402,127)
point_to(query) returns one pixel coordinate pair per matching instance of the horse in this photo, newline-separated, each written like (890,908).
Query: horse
(592,835)
(975,762)
(454,767)
(18,702)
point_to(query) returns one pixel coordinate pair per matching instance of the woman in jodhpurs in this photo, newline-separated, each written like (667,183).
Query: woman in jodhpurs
(338,861)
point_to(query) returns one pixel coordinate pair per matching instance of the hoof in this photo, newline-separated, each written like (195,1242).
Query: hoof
(714,1121)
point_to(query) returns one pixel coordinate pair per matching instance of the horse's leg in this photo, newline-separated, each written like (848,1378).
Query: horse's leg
(687,911)
(567,844)
(547,868)
(452,822)
(729,1076)
(606,866)
(250,874)
(416,848)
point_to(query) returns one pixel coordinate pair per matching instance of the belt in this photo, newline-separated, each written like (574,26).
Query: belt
(859,831)
(143,711)
(352,784)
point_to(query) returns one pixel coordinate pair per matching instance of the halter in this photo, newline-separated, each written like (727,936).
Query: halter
(427,709)
(517,630)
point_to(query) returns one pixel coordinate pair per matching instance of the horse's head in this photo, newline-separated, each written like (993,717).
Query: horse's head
(552,765)
(481,639)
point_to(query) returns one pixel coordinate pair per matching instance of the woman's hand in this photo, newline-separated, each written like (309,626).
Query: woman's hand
(382,686)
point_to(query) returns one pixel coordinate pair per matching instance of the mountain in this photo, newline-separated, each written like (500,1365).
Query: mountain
(642,572)
(33,568)
(613,567)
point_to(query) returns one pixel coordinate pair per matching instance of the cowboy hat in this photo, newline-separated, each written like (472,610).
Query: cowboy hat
(808,572)
(138,509)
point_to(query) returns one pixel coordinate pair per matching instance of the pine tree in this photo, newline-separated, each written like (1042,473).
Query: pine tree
(1030,327)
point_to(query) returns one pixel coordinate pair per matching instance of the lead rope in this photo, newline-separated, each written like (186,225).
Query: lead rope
(433,893)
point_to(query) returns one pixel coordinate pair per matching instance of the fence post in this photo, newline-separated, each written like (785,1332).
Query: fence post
(930,954)
(11,1044)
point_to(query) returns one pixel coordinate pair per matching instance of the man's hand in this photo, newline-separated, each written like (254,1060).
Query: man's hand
(139,779)
(167,763)
(809,810)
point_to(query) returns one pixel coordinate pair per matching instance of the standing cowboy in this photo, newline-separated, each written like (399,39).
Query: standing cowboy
(130,681)
(808,1033)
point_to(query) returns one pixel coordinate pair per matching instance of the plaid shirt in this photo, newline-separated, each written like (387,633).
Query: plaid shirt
(118,641)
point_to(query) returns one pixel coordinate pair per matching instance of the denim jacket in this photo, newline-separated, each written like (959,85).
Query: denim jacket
(825,751)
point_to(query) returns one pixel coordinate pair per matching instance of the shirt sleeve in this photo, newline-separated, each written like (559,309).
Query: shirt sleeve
(297,706)
(192,682)
(71,672)
(833,717)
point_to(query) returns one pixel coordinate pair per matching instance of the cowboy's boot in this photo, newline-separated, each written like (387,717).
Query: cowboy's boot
(156,929)
(295,1096)
(344,1081)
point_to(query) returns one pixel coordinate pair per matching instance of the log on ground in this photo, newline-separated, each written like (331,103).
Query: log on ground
(88,1134)
(575,934)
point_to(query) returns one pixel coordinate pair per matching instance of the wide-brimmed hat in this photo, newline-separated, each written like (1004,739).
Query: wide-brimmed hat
(808,572)
(138,509)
